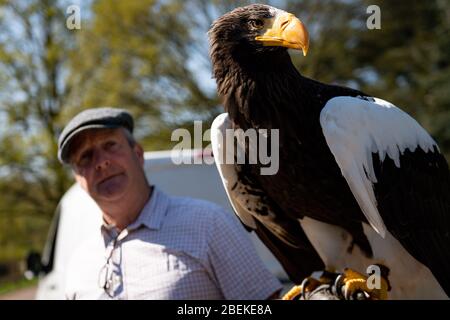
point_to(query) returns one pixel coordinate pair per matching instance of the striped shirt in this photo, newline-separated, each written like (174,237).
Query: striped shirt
(178,248)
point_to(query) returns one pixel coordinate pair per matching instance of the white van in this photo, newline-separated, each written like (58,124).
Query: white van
(77,215)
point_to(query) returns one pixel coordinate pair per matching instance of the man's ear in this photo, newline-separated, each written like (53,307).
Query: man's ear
(139,152)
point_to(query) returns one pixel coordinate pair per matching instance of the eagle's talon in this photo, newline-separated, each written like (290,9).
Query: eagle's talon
(360,295)
(352,285)
(336,288)
(308,285)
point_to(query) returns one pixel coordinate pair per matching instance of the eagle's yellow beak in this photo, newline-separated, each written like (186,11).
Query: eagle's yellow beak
(286,31)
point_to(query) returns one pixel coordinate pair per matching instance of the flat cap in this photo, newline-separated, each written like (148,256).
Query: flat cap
(92,119)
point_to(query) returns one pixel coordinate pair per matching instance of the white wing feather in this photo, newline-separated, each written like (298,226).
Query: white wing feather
(354,129)
(228,172)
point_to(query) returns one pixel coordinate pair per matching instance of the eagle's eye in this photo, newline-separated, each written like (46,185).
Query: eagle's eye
(255,24)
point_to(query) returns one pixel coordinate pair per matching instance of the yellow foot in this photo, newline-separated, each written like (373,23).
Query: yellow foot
(292,294)
(352,285)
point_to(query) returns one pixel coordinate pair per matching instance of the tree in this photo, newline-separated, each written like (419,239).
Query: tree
(135,55)
(34,46)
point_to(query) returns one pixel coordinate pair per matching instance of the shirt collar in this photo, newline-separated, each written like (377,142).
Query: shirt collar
(151,216)
(154,211)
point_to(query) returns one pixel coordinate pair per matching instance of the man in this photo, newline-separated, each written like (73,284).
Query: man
(151,245)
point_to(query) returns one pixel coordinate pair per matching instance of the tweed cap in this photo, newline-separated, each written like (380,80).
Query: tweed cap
(92,119)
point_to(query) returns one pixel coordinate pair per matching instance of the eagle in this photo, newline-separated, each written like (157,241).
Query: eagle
(359,181)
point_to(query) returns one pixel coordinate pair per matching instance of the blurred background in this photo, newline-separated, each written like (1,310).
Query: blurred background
(151,57)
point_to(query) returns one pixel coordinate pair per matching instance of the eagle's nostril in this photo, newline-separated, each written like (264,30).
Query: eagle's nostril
(284,24)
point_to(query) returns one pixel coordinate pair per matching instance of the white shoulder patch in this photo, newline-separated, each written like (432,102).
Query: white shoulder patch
(227,170)
(354,129)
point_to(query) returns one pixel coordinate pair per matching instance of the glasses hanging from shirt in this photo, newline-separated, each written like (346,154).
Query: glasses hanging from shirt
(110,276)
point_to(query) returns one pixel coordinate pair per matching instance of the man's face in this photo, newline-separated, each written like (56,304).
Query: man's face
(105,164)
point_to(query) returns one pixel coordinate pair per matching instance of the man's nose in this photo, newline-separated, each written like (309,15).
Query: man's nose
(101,160)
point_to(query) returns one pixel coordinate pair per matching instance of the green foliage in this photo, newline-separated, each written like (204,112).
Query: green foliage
(34,44)
(7,287)
(134,54)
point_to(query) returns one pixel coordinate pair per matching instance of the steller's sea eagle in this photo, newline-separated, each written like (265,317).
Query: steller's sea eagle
(360,182)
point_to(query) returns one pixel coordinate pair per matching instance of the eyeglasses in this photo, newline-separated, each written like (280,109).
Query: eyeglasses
(110,279)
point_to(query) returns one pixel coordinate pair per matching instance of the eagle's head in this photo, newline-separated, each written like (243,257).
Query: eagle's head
(253,70)
(258,28)
(253,38)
